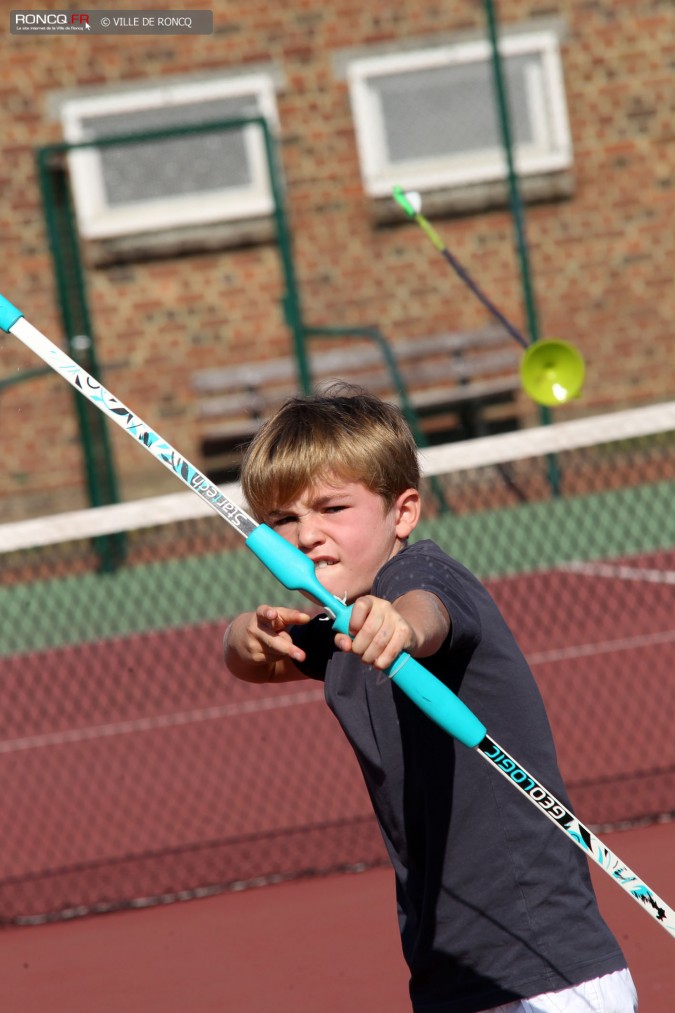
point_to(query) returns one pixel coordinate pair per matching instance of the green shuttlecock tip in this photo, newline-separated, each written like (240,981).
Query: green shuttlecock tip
(401,198)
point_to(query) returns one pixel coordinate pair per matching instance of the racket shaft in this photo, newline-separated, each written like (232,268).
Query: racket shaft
(566,821)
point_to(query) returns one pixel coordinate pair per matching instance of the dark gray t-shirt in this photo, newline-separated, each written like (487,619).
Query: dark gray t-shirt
(495,903)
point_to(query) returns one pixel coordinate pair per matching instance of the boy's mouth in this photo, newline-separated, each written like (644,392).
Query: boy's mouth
(323,563)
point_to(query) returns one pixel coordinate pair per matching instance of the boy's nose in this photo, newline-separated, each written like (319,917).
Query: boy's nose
(308,533)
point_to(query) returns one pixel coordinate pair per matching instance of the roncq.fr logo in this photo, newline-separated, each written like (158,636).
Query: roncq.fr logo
(49,18)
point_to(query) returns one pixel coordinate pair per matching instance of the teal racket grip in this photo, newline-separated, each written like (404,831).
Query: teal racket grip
(8,314)
(296,572)
(437,701)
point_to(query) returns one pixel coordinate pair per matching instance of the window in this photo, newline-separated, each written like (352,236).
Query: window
(219,175)
(428,119)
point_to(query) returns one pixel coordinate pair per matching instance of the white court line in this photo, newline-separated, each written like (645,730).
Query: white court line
(74,735)
(620,571)
(602,647)
(160,721)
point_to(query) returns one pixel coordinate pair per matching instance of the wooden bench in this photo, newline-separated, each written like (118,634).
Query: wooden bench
(459,385)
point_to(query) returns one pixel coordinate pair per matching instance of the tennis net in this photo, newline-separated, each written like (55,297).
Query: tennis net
(136,770)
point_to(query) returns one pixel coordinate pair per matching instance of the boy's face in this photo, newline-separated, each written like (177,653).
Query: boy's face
(346,531)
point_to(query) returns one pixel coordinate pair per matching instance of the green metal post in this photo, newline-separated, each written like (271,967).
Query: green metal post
(100,475)
(514,193)
(516,204)
(291,298)
(28,374)
(99,467)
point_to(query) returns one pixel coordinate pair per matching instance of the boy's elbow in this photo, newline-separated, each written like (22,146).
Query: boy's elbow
(243,669)
(260,674)
(252,675)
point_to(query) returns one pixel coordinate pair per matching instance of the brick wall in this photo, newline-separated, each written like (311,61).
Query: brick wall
(602,261)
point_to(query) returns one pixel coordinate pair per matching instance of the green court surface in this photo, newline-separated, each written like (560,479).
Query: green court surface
(175,593)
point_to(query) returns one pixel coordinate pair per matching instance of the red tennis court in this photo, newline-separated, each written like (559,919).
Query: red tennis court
(258,782)
(327,944)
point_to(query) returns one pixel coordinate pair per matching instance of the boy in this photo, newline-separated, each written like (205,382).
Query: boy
(496,908)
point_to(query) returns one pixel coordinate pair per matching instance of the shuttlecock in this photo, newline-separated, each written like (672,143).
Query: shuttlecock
(415,200)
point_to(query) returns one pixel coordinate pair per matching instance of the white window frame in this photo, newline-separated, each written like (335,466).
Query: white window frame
(97,219)
(551,152)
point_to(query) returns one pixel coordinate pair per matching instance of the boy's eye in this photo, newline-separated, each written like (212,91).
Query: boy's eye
(284,519)
(279,522)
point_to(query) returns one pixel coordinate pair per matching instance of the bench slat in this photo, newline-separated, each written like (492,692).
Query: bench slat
(219,379)
(443,374)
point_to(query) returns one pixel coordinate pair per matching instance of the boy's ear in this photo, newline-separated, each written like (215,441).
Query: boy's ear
(408,507)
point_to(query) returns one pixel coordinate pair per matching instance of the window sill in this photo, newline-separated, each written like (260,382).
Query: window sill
(177,242)
(478,197)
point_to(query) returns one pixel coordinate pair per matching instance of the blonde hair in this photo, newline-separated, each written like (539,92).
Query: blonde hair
(344,432)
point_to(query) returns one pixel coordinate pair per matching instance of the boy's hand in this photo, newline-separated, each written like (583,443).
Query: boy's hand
(417,622)
(378,632)
(258,648)
(266,639)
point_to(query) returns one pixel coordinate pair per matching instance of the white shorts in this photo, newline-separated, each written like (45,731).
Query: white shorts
(613,993)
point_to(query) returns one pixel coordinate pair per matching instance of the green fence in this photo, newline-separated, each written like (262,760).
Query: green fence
(134,767)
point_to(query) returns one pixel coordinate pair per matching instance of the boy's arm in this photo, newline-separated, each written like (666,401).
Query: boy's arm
(258,648)
(417,622)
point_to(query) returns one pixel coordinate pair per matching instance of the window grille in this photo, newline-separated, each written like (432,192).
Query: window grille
(428,118)
(194,179)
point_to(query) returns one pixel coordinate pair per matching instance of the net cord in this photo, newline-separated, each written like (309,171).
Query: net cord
(443,460)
